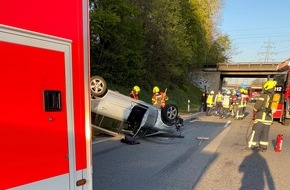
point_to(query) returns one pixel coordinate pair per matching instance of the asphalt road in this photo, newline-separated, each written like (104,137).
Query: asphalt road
(163,163)
(236,169)
(157,162)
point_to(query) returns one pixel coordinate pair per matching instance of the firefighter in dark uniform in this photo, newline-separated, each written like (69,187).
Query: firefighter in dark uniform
(263,118)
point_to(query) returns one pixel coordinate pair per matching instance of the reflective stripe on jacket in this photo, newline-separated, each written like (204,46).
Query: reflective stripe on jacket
(159,99)
(263,112)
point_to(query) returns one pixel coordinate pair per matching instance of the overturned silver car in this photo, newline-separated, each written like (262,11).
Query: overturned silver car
(138,115)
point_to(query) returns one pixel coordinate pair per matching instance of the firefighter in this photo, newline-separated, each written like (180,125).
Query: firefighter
(135,93)
(263,118)
(203,103)
(218,102)
(245,99)
(159,98)
(233,100)
(239,105)
(209,102)
(226,105)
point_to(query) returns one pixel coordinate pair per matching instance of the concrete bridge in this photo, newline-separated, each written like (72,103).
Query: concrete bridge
(259,70)
(211,77)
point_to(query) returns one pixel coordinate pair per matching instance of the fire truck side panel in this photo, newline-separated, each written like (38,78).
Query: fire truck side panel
(284,86)
(278,113)
(49,59)
(34,123)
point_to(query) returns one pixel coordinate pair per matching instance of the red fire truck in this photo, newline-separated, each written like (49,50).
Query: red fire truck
(45,131)
(283,88)
(254,93)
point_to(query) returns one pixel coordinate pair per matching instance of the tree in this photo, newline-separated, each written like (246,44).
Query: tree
(116,40)
(220,46)
(160,40)
(258,82)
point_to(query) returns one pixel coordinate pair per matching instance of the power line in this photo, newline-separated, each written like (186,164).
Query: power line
(259,42)
(259,36)
(248,39)
(255,29)
(268,51)
(285,50)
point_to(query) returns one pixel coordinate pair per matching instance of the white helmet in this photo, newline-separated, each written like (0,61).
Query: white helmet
(212,92)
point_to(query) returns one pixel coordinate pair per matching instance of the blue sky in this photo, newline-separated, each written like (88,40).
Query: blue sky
(259,29)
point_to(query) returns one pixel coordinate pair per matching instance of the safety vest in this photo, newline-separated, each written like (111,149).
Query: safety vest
(226,101)
(209,100)
(219,98)
(244,100)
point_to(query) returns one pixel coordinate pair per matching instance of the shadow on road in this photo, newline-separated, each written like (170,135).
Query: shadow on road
(256,173)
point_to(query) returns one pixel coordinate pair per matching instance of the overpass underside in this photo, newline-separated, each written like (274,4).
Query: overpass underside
(211,78)
(248,70)
(252,74)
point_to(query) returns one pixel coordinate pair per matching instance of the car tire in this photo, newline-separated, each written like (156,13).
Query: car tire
(98,86)
(169,113)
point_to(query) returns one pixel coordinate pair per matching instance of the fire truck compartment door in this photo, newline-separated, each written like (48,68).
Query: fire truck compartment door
(36,138)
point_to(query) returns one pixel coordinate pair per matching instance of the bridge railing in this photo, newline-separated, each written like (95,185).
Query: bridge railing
(247,66)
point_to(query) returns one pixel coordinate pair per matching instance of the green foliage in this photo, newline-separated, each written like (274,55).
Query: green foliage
(116,41)
(154,42)
(178,94)
(258,82)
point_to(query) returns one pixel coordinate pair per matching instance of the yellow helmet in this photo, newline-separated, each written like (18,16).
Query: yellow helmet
(136,88)
(156,89)
(270,84)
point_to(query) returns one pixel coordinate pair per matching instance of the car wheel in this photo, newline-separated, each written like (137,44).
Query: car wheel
(169,112)
(98,86)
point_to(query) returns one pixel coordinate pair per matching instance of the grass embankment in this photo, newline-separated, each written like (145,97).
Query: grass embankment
(178,95)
